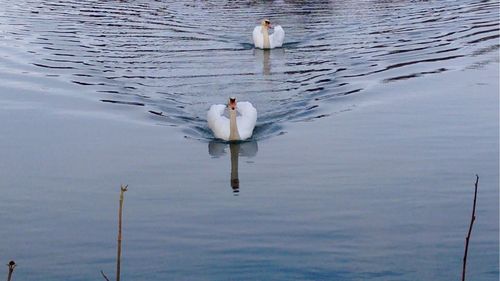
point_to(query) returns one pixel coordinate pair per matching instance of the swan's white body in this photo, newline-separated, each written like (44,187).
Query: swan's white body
(263,40)
(241,127)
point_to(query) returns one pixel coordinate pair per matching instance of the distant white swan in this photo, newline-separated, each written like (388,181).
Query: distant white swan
(239,125)
(262,39)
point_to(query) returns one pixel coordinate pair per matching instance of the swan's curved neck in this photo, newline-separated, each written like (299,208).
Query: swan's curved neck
(265,34)
(233,127)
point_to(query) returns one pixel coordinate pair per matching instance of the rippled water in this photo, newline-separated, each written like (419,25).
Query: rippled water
(179,57)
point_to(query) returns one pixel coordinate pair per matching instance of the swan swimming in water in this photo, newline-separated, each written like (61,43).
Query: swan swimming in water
(239,125)
(262,39)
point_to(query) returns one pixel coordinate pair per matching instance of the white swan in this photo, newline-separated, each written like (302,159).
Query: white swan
(262,39)
(239,125)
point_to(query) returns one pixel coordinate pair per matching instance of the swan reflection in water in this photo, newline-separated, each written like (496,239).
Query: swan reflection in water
(264,56)
(245,149)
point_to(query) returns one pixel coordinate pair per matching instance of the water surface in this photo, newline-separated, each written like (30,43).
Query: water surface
(373,121)
(178,58)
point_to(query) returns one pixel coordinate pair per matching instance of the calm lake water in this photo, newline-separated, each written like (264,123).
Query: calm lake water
(374,118)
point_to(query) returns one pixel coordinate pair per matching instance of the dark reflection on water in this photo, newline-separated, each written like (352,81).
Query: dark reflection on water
(264,56)
(236,149)
(180,57)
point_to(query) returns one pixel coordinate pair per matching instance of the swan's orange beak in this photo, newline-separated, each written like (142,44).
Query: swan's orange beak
(232,103)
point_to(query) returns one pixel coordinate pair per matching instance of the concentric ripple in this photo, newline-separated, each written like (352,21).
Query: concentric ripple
(176,58)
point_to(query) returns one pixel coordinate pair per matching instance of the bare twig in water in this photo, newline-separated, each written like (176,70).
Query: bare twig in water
(11,265)
(119,253)
(473,218)
(119,247)
(104,275)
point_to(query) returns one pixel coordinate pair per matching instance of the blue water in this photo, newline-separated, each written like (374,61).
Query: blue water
(373,121)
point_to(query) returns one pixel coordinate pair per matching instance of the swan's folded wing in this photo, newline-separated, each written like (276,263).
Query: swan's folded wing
(218,123)
(278,37)
(247,119)
(258,39)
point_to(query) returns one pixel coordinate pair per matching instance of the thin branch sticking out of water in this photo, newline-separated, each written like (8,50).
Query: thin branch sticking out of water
(104,275)
(472,219)
(11,265)
(123,189)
